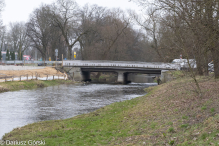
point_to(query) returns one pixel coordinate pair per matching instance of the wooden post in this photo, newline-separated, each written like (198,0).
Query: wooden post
(20,78)
(27,77)
(53,77)
(5,78)
(62,60)
(47,77)
(12,78)
(36,76)
(73,76)
(32,76)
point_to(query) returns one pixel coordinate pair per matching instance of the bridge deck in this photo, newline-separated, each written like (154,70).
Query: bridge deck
(120,64)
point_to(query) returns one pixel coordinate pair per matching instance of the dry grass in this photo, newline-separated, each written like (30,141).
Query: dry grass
(175,105)
(42,72)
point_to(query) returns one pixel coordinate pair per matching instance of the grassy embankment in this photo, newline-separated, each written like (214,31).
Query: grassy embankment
(32,84)
(170,114)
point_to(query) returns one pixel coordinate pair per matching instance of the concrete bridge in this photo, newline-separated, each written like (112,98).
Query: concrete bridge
(81,69)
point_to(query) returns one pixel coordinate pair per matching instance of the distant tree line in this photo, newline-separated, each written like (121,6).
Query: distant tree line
(94,32)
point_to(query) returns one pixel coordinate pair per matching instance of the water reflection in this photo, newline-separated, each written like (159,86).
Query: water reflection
(60,102)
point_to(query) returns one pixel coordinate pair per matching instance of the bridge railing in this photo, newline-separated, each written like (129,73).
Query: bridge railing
(158,65)
(28,62)
(110,61)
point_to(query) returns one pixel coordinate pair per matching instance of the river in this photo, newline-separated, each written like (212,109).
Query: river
(23,107)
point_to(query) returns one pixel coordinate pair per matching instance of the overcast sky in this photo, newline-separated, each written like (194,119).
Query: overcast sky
(19,10)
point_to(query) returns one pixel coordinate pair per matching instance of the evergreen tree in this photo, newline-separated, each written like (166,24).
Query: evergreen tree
(13,55)
(7,55)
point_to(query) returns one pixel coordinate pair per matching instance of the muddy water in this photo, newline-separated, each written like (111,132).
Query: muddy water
(60,102)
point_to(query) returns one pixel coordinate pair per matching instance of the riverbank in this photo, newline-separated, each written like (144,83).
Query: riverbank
(31,84)
(170,114)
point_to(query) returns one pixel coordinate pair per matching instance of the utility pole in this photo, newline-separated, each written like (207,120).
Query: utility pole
(56,54)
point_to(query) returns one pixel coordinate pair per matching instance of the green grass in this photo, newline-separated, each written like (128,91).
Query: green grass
(32,84)
(98,127)
(184,117)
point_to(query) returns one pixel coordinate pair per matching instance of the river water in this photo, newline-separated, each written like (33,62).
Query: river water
(23,107)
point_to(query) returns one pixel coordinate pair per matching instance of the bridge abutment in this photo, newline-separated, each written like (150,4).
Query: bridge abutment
(74,73)
(166,76)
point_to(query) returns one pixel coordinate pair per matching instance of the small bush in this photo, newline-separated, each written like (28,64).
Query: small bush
(171,142)
(185,117)
(212,110)
(184,126)
(171,129)
(204,108)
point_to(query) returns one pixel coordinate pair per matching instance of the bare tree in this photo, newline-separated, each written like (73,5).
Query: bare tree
(17,38)
(2,37)
(66,18)
(2,28)
(107,38)
(39,30)
(149,21)
(200,22)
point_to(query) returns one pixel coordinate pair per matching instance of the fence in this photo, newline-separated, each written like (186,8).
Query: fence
(5,78)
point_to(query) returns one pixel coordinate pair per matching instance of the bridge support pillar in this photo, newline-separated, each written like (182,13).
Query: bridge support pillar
(122,77)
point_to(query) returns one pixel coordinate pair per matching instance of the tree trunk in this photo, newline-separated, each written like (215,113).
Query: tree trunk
(199,66)
(215,53)
(69,52)
(205,64)
(98,75)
